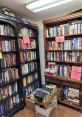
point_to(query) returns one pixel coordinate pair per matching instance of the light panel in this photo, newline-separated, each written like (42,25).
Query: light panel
(41,5)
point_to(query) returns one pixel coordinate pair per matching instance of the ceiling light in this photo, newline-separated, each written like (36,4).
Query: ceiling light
(41,5)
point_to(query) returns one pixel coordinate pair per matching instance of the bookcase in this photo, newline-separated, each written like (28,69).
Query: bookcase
(63,57)
(29,59)
(10,100)
(19,64)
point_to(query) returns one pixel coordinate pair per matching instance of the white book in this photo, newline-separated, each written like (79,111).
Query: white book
(47,34)
(10,90)
(79,28)
(75,28)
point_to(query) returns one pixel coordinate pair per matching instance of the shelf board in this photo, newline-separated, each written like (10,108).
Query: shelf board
(66,36)
(64,62)
(62,78)
(30,73)
(31,37)
(29,49)
(9,52)
(12,66)
(29,61)
(5,37)
(10,82)
(64,50)
(70,105)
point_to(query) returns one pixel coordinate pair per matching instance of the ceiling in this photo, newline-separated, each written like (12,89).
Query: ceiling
(19,7)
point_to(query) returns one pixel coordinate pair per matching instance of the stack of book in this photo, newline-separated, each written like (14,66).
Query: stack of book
(72,95)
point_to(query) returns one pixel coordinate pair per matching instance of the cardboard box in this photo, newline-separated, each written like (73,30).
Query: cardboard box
(41,112)
(30,104)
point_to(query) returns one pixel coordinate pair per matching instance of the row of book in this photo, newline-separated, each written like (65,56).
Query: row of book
(7,46)
(72,95)
(26,32)
(31,45)
(61,70)
(74,43)
(29,79)
(73,72)
(8,60)
(29,67)
(8,75)
(8,105)
(27,56)
(6,30)
(8,90)
(31,88)
(74,56)
(65,29)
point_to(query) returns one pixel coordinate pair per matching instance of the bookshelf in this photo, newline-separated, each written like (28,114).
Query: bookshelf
(63,57)
(12,90)
(29,59)
(9,73)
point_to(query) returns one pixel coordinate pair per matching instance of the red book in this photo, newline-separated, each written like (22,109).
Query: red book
(76,72)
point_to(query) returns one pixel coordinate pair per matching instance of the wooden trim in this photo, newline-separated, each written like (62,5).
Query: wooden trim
(70,16)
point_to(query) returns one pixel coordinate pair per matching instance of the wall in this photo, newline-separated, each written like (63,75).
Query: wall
(41,50)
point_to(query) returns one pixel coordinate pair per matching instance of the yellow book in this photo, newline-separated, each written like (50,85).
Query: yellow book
(24,82)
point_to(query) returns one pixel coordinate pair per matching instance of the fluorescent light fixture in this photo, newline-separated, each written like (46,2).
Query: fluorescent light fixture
(41,5)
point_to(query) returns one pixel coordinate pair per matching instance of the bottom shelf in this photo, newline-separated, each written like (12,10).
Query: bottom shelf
(17,108)
(66,102)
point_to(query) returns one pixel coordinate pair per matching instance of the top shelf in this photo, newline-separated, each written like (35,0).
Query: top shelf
(67,36)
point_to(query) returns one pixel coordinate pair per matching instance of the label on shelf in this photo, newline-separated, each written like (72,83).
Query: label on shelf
(60,39)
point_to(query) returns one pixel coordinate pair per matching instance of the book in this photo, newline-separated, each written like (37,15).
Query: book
(6,30)
(76,72)
(9,75)
(29,67)
(27,56)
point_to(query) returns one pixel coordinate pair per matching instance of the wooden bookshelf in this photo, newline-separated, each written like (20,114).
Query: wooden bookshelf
(66,102)
(66,36)
(64,50)
(54,28)
(69,62)
(62,78)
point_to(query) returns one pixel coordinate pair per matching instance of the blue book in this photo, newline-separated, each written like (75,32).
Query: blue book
(1,110)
